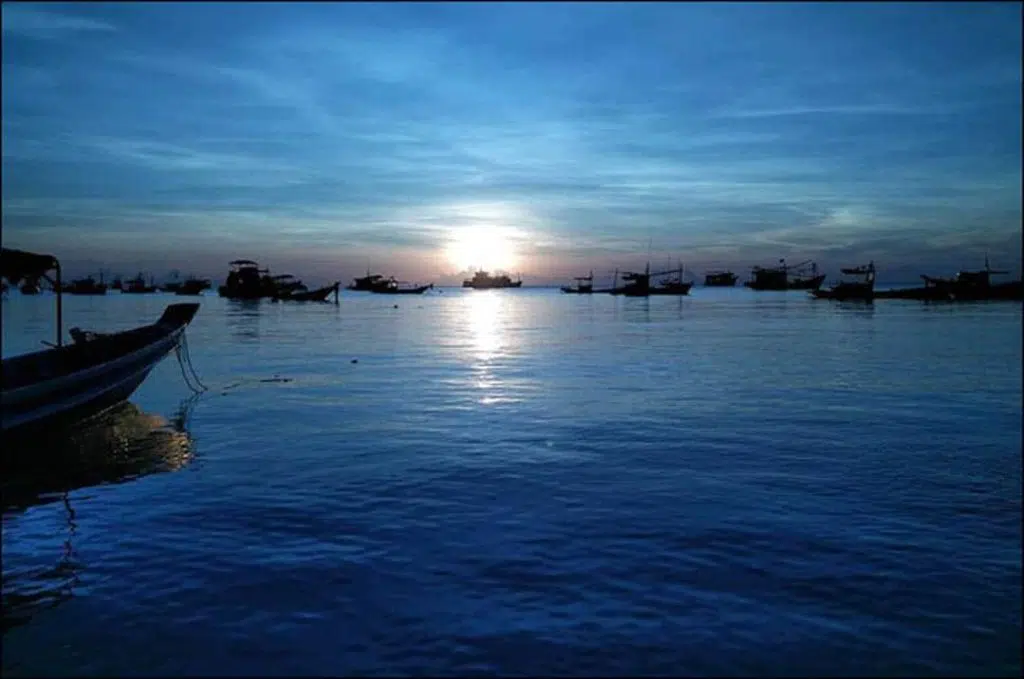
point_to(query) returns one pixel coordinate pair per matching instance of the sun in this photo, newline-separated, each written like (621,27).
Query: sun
(483,247)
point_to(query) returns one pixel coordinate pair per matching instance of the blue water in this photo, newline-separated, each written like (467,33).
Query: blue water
(523,482)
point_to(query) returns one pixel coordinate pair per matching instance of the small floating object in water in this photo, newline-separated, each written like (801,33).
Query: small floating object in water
(355,360)
(396,306)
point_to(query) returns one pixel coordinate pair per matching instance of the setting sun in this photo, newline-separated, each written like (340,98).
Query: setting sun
(487,248)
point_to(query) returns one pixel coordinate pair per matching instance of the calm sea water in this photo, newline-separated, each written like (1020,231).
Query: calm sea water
(520,482)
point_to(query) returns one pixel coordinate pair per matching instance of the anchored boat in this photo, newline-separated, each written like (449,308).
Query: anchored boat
(720,279)
(68,383)
(303,294)
(482,280)
(86,286)
(138,286)
(584,285)
(862,287)
(395,287)
(802,276)
(193,286)
(246,280)
(966,286)
(367,283)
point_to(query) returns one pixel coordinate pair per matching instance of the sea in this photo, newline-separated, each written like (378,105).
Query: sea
(523,482)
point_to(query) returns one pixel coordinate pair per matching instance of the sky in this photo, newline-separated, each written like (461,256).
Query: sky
(545,138)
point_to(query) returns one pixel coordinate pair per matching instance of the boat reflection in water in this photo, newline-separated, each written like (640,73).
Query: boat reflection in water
(121,445)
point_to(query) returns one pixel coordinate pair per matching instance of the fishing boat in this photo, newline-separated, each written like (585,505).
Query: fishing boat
(584,285)
(67,383)
(366,283)
(305,295)
(635,284)
(30,287)
(802,276)
(720,279)
(395,287)
(285,284)
(966,286)
(86,286)
(138,286)
(193,286)
(482,280)
(246,280)
(173,285)
(117,284)
(862,287)
(671,286)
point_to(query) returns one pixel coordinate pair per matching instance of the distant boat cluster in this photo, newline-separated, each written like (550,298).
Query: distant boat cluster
(248,281)
(859,284)
(97,371)
(134,286)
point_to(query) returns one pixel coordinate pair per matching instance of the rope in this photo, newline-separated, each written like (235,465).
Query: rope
(188,359)
(182,348)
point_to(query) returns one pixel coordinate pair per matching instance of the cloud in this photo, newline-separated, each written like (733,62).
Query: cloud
(21,19)
(352,130)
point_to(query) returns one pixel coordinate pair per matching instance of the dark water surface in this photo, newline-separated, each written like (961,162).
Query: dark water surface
(516,482)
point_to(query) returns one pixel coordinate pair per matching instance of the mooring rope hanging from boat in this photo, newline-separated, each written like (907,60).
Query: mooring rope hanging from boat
(188,359)
(180,349)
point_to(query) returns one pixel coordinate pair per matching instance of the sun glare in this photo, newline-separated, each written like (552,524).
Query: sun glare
(481,248)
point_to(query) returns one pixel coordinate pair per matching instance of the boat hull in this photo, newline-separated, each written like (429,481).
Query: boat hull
(61,386)
(318,295)
(419,290)
(798,284)
(1013,292)
(677,290)
(489,286)
(844,296)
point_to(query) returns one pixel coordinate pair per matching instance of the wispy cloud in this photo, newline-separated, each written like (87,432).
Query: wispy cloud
(22,19)
(346,132)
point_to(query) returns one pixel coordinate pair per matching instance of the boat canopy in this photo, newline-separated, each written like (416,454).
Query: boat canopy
(243,262)
(16,265)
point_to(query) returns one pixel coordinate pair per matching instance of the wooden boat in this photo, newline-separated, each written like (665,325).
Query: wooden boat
(137,286)
(367,283)
(639,284)
(482,280)
(966,286)
(85,286)
(193,286)
(720,279)
(285,284)
(635,284)
(783,277)
(318,295)
(584,285)
(862,288)
(394,287)
(246,280)
(173,285)
(671,286)
(68,383)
